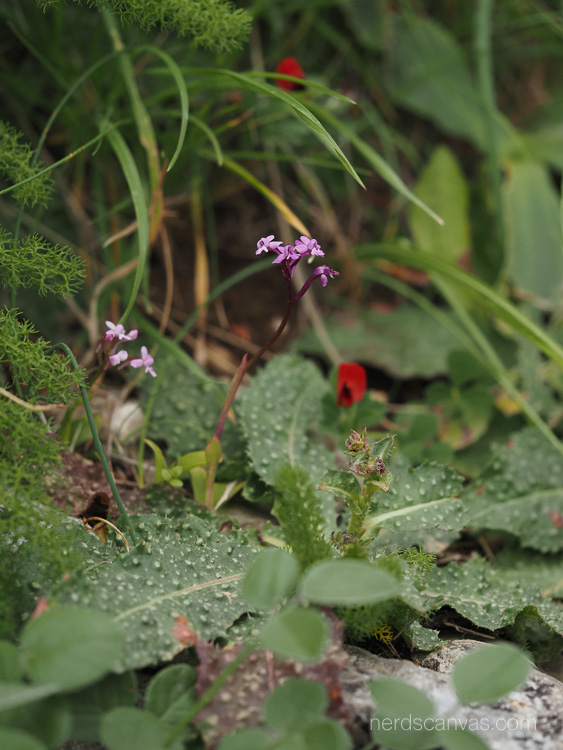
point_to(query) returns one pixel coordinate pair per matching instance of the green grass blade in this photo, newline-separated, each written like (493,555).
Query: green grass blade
(131,173)
(377,162)
(246,81)
(304,82)
(176,74)
(212,137)
(494,302)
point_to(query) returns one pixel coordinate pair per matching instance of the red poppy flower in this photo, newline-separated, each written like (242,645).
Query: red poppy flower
(352,384)
(289,66)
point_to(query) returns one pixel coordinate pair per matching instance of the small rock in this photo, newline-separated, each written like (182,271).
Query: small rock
(530,718)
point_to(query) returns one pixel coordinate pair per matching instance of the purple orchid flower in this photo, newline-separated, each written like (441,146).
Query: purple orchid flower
(118,357)
(117,331)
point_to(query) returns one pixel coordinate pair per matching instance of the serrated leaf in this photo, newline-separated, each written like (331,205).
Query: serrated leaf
(419,500)
(182,568)
(521,491)
(442,185)
(277,411)
(342,484)
(490,672)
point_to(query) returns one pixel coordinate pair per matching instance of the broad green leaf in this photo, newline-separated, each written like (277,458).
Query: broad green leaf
(496,303)
(70,646)
(295,704)
(532,222)
(16,694)
(132,728)
(277,412)
(422,505)
(426,70)
(442,185)
(401,711)
(545,145)
(347,582)
(297,633)
(490,672)
(170,695)
(326,735)
(10,669)
(247,739)
(460,739)
(182,569)
(87,706)
(49,720)
(159,460)
(406,342)
(521,491)
(16,739)
(271,577)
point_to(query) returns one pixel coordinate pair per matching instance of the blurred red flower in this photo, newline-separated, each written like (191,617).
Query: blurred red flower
(290,66)
(351,385)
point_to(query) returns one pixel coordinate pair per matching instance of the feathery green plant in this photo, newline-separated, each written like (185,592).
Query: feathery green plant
(15,158)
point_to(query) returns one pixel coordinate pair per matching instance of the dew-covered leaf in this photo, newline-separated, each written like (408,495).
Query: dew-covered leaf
(521,491)
(422,507)
(183,568)
(278,409)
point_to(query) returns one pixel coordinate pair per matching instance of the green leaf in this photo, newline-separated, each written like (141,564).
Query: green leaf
(15,739)
(171,693)
(520,491)
(137,193)
(490,672)
(347,582)
(419,501)
(132,728)
(427,72)
(326,735)
(247,739)
(10,670)
(159,460)
(532,221)
(406,342)
(399,719)
(271,577)
(496,303)
(70,646)
(460,739)
(49,719)
(443,185)
(90,704)
(182,568)
(277,412)
(16,694)
(246,81)
(342,484)
(297,633)
(295,704)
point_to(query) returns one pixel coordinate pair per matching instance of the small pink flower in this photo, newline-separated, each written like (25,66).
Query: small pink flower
(117,331)
(118,357)
(145,361)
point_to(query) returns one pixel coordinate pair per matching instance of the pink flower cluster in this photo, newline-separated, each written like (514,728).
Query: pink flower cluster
(288,256)
(115,335)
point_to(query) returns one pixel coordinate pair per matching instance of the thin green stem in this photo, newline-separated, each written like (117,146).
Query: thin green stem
(207,697)
(96,438)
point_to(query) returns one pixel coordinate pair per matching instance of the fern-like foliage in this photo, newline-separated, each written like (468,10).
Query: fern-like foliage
(298,509)
(24,356)
(214,24)
(15,166)
(34,262)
